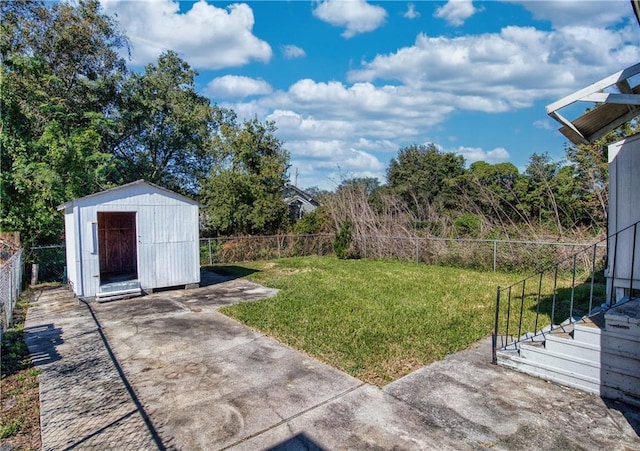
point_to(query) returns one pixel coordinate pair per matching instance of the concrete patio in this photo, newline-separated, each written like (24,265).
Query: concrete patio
(168,371)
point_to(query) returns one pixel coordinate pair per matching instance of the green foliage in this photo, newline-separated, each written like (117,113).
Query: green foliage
(309,223)
(165,128)
(243,193)
(591,173)
(10,429)
(342,240)
(15,354)
(423,175)
(366,184)
(494,190)
(467,224)
(60,69)
(51,263)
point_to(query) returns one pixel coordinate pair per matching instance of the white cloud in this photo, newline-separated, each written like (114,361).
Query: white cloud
(455,12)
(506,70)
(336,159)
(411,12)
(235,86)
(397,99)
(321,122)
(472,154)
(293,51)
(356,16)
(206,36)
(578,12)
(297,126)
(544,124)
(389,110)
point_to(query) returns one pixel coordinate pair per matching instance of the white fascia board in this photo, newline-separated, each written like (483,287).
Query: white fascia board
(604,97)
(593,88)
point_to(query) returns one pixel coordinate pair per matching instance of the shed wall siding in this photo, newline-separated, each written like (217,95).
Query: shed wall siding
(71,249)
(167,236)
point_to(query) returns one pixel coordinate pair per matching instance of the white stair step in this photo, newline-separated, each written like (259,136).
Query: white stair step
(575,356)
(623,325)
(619,352)
(587,334)
(607,382)
(566,345)
(587,330)
(549,373)
(569,363)
(626,383)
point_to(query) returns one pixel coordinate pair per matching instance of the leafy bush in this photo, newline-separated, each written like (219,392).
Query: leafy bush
(309,224)
(342,240)
(467,224)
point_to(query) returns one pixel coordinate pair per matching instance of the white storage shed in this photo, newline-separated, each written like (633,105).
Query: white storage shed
(133,238)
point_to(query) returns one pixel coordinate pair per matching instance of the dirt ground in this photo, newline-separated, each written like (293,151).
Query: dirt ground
(19,391)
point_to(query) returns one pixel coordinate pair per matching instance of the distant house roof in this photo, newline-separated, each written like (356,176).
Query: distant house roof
(299,202)
(617,100)
(140,182)
(292,193)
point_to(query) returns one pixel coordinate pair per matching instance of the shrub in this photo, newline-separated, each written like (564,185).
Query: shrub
(467,224)
(342,240)
(308,224)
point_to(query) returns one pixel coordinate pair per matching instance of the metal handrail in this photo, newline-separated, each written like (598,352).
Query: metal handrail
(504,315)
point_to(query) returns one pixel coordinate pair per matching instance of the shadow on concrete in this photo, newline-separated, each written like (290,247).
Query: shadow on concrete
(42,342)
(630,413)
(299,442)
(210,275)
(100,431)
(134,397)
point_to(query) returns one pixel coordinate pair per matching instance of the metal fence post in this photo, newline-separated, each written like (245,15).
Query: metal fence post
(495,254)
(494,338)
(9,310)
(364,245)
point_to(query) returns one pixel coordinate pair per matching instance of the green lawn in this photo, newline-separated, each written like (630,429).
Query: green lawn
(376,320)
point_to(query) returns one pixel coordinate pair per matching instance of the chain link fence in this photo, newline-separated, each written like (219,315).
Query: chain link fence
(50,261)
(10,288)
(486,255)
(249,248)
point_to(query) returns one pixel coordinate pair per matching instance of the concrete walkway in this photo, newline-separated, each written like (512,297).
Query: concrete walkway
(168,371)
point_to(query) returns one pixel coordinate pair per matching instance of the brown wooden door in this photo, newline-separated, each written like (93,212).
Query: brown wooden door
(117,246)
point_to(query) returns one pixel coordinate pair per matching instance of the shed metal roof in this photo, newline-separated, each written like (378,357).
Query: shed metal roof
(616,99)
(128,185)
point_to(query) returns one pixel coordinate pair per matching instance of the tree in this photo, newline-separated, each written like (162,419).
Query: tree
(552,195)
(60,74)
(495,191)
(366,184)
(591,168)
(423,176)
(243,193)
(166,129)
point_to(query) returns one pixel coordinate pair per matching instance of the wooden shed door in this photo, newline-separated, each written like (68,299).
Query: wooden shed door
(117,246)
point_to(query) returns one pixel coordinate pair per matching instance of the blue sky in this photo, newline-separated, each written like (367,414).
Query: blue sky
(350,82)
